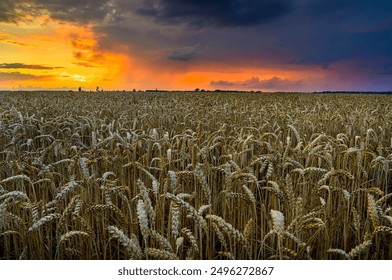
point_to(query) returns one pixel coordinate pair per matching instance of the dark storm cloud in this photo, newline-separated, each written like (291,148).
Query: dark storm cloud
(257,83)
(6,10)
(79,10)
(220,12)
(83,11)
(328,31)
(182,54)
(328,7)
(338,45)
(26,66)
(193,12)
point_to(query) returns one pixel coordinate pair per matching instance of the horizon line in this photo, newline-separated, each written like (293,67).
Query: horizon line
(194,91)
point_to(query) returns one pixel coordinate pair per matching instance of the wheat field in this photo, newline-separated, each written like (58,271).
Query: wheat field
(181,175)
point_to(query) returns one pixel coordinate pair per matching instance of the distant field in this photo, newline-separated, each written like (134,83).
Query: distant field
(195,176)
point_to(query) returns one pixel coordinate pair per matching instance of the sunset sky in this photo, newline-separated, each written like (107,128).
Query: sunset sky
(267,45)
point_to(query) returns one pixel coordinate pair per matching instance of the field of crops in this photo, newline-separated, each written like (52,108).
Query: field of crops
(195,176)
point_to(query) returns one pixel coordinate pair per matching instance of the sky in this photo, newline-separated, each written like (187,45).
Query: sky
(266,45)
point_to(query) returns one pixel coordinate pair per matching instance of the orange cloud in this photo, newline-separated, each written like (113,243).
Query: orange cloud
(17,43)
(86,52)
